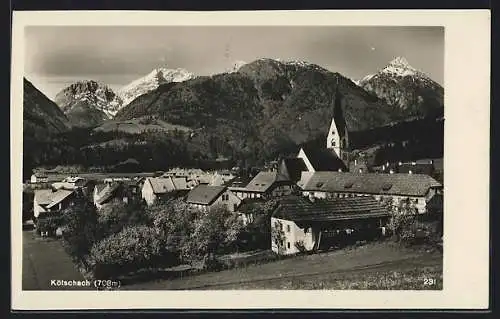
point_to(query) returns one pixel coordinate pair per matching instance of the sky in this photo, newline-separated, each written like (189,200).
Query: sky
(56,56)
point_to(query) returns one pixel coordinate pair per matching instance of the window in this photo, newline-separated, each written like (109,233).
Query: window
(288,245)
(287,228)
(281,226)
(235,206)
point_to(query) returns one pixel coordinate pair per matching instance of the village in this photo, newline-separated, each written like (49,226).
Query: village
(321,200)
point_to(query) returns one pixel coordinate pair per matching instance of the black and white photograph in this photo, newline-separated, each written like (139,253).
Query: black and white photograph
(235,157)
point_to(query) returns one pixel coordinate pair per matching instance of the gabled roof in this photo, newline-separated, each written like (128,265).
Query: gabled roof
(371,183)
(43,196)
(416,168)
(292,168)
(263,181)
(323,159)
(107,192)
(162,185)
(298,208)
(48,198)
(204,194)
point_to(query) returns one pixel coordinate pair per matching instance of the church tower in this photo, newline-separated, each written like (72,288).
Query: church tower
(337,139)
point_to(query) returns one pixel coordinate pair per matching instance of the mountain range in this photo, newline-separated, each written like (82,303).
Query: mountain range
(88,103)
(400,85)
(254,111)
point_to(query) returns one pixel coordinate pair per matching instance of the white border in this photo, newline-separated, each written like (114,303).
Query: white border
(467,100)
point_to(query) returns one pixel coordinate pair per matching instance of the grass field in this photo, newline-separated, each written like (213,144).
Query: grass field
(374,266)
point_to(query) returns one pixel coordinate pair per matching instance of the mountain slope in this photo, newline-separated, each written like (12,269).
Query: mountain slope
(151,81)
(88,103)
(41,116)
(266,98)
(402,86)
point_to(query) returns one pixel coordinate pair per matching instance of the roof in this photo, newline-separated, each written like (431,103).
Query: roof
(323,159)
(204,194)
(292,168)
(107,192)
(263,181)
(435,203)
(43,196)
(298,208)
(371,183)
(240,181)
(416,168)
(162,185)
(48,198)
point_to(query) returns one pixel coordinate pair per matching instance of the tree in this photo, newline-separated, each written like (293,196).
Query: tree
(131,249)
(80,233)
(403,218)
(114,216)
(213,232)
(278,236)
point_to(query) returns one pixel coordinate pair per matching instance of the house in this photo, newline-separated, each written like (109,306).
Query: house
(39,178)
(71,182)
(206,197)
(264,185)
(300,224)
(418,188)
(222,177)
(155,188)
(105,193)
(51,201)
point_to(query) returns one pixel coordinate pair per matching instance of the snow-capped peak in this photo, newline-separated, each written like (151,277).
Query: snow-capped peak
(152,81)
(400,66)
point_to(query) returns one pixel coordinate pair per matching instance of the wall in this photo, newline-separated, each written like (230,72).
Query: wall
(293,236)
(233,200)
(303,156)
(147,193)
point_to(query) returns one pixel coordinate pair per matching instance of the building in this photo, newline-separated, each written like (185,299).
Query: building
(106,193)
(39,178)
(418,188)
(292,168)
(157,188)
(300,224)
(338,138)
(221,178)
(265,185)
(51,201)
(71,182)
(206,197)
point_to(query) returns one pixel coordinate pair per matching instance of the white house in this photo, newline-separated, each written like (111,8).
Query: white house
(47,200)
(298,223)
(265,184)
(39,178)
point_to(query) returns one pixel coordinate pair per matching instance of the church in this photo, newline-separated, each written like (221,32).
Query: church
(333,157)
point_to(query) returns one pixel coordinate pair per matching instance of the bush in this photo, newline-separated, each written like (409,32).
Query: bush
(49,223)
(132,249)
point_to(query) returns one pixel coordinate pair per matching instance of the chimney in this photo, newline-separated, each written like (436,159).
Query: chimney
(355,162)
(361,170)
(312,198)
(431,162)
(387,164)
(410,172)
(391,171)
(340,170)
(400,163)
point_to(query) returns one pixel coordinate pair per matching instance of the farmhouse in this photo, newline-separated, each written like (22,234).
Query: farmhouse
(51,201)
(418,188)
(300,224)
(155,188)
(71,182)
(264,185)
(206,197)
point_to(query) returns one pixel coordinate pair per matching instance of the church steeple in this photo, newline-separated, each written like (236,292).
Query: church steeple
(337,135)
